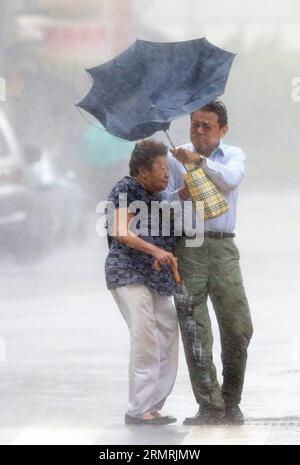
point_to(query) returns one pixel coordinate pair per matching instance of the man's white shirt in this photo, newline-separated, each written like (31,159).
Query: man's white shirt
(226,167)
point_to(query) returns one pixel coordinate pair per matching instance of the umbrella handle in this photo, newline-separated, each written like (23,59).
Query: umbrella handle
(176,274)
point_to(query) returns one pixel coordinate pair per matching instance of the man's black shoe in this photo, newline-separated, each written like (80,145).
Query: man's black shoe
(233,415)
(163,420)
(205,417)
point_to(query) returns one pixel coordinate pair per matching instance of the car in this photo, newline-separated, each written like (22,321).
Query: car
(24,230)
(15,195)
(39,208)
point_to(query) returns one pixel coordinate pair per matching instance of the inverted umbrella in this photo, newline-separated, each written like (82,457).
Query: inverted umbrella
(150,84)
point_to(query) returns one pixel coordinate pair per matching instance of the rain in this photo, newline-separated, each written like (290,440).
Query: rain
(64,348)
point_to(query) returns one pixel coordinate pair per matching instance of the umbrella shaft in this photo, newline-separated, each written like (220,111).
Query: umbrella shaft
(171,142)
(169,139)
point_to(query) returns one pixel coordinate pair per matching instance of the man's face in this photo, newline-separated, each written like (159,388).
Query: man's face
(205,132)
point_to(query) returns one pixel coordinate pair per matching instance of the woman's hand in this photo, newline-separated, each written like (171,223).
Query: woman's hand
(173,265)
(163,257)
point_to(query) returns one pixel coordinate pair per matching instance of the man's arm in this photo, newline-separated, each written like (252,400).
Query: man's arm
(226,176)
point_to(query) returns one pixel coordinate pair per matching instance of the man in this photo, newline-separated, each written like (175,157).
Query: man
(212,270)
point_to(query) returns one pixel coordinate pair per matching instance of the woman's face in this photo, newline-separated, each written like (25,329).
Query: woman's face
(156,178)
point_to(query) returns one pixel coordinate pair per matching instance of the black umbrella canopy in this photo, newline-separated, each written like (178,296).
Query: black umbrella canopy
(150,84)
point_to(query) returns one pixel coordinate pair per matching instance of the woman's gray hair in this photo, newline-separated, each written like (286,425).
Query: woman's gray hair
(144,155)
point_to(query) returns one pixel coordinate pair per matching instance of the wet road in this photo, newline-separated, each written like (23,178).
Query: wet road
(64,347)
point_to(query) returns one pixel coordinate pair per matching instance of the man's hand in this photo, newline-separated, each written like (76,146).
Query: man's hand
(184,193)
(187,156)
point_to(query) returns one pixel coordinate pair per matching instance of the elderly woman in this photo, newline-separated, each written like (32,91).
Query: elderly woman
(141,290)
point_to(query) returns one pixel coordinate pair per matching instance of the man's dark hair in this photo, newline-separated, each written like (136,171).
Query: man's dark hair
(144,154)
(217,107)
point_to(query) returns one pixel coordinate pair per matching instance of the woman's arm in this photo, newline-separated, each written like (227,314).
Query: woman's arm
(127,237)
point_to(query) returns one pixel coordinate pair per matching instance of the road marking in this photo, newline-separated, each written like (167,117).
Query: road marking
(227,435)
